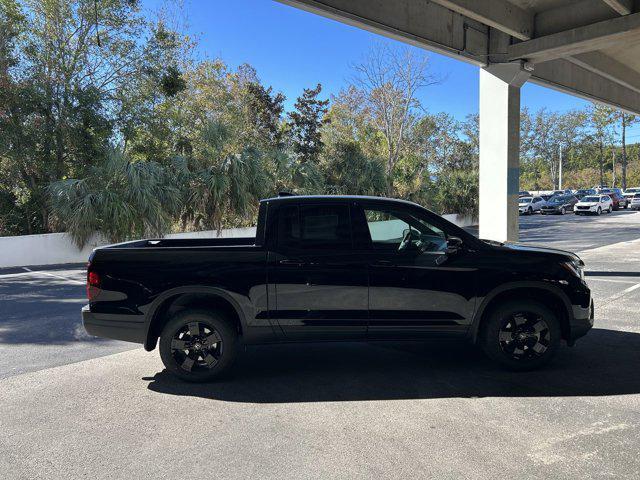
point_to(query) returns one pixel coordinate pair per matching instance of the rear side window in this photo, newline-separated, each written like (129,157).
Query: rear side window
(315,227)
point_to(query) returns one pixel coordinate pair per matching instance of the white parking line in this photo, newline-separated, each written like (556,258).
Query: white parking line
(609,280)
(71,280)
(622,293)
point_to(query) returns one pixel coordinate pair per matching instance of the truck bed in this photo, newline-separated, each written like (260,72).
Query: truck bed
(157,243)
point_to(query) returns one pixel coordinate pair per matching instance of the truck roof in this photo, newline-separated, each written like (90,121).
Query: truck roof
(315,198)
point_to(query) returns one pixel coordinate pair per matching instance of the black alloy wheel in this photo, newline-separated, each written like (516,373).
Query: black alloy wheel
(198,345)
(524,336)
(521,334)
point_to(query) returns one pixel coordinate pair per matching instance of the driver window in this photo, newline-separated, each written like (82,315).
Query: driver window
(388,229)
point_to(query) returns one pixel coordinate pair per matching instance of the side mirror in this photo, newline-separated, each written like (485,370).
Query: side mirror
(454,244)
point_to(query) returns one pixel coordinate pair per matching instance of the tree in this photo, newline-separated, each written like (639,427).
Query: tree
(626,120)
(389,80)
(349,171)
(59,77)
(119,198)
(305,124)
(601,120)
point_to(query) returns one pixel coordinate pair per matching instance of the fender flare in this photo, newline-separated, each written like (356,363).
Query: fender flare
(538,284)
(186,290)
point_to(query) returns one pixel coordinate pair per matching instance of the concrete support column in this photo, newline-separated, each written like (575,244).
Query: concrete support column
(500,149)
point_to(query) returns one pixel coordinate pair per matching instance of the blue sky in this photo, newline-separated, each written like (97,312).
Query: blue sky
(292,49)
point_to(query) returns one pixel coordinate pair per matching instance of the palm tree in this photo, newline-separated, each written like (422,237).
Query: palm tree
(119,198)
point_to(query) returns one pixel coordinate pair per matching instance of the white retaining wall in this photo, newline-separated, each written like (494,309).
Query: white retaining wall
(57,248)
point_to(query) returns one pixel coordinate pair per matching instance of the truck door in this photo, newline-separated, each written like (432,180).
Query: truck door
(321,290)
(416,289)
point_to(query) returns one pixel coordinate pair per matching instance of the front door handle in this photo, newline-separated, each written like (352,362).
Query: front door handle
(292,262)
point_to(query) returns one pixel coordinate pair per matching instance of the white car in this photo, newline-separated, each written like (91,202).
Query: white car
(630,192)
(530,205)
(594,204)
(635,202)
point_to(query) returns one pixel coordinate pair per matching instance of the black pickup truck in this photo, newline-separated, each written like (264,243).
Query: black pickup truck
(333,268)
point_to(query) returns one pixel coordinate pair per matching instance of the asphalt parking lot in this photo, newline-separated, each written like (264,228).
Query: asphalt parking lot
(74,406)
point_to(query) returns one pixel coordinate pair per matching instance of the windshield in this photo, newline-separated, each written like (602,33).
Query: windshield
(526,200)
(556,198)
(591,199)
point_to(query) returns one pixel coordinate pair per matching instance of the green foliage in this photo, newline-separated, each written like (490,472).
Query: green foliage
(119,198)
(305,124)
(458,192)
(109,123)
(349,171)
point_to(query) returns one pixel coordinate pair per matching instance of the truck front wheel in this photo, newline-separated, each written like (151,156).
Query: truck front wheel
(521,335)
(198,346)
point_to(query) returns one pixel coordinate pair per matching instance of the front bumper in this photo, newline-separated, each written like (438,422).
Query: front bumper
(581,322)
(128,328)
(585,210)
(550,210)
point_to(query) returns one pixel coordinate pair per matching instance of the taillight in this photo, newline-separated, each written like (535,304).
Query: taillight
(93,285)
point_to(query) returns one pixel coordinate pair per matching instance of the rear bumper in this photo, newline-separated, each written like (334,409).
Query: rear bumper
(128,328)
(582,321)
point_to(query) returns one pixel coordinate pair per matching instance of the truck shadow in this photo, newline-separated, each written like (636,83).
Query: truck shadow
(606,362)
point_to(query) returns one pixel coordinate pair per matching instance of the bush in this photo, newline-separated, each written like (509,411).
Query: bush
(457,192)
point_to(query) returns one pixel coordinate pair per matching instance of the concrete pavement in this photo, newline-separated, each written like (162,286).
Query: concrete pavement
(418,410)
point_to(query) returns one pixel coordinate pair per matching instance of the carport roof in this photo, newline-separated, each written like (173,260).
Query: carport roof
(588,48)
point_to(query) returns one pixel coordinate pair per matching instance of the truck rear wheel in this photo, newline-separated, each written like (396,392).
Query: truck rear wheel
(521,335)
(198,346)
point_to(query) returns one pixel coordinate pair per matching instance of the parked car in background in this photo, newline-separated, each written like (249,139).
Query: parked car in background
(635,202)
(616,197)
(530,205)
(583,192)
(597,188)
(629,193)
(593,204)
(402,273)
(559,204)
(523,193)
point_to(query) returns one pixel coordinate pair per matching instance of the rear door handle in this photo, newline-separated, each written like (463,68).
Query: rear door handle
(292,262)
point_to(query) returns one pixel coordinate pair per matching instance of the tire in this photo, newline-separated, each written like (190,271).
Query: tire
(562,211)
(610,209)
(521,335)
(213,349)
(599,211)
(530,211)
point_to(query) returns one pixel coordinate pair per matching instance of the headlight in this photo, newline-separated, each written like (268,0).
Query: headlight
(575,268)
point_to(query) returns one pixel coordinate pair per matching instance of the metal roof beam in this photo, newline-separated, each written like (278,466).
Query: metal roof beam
(623,7)
(499,14)
(578,40)
(420,23)
(567,77)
